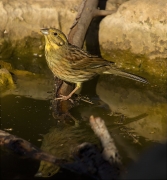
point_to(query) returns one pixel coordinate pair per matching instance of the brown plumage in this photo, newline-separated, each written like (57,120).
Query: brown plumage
(72,64)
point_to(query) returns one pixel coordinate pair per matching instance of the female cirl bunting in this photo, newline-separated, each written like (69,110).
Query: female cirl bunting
(72,64)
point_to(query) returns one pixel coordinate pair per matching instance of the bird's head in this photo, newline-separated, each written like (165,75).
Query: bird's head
(54,37)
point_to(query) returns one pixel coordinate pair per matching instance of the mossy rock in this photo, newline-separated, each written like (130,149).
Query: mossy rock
(6,80)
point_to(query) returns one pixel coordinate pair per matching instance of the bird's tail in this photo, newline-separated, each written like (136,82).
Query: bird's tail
(126,75)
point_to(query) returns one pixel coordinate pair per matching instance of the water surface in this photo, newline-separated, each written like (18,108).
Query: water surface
(25,112)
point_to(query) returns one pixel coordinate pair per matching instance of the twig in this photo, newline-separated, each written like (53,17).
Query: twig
(98,12)
(82,21)
(86,101)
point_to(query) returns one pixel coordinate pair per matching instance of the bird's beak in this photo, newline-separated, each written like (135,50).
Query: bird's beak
(45,31)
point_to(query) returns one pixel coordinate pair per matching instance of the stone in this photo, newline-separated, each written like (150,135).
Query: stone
(25,18)
(136,37)
(6,80)
(28,84)
(138,25)
(20,36)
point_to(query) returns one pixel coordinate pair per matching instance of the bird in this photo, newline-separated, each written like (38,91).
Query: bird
(75,65)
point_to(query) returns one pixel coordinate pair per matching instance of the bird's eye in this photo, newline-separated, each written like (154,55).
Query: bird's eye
(55,34)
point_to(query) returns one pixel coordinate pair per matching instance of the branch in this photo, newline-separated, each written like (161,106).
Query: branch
(60,108)
(87,11)
(76,36)
(98,12)
(82,21)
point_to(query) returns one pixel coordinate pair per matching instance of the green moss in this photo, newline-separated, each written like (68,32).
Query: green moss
(6,81)
(154,70)
(6,49)
(26,54)
(138,64)
(29,45)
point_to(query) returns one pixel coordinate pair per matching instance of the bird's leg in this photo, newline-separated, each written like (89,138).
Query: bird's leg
(68,97)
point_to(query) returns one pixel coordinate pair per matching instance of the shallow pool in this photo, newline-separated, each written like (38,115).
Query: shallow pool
(134,113)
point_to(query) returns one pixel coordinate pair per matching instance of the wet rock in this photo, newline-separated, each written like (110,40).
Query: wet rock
(135,36)
(6,81)
(6,65)
(28,84)
(32,85)
(135,27)
(20,36)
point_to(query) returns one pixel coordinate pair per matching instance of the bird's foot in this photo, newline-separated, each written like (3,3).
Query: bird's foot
(64,98)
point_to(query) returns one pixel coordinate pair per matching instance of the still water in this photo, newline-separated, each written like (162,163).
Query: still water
(134,113)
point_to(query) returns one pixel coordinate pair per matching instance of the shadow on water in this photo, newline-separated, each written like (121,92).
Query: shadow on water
(134,113)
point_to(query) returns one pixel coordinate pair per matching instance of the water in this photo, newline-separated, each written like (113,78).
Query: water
(25,112)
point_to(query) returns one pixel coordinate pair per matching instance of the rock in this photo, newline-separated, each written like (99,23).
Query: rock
(20,36)
(6,65)
(31,85)
(6,81)
(20,19)
(135,27)
(135,36)
(132,37)
(25,18)
(111,4)
(28,84)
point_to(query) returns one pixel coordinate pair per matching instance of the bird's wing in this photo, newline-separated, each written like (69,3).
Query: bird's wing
(80,59)
(89,63)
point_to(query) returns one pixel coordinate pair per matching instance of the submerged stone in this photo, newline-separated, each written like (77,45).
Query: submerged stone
(6,81)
